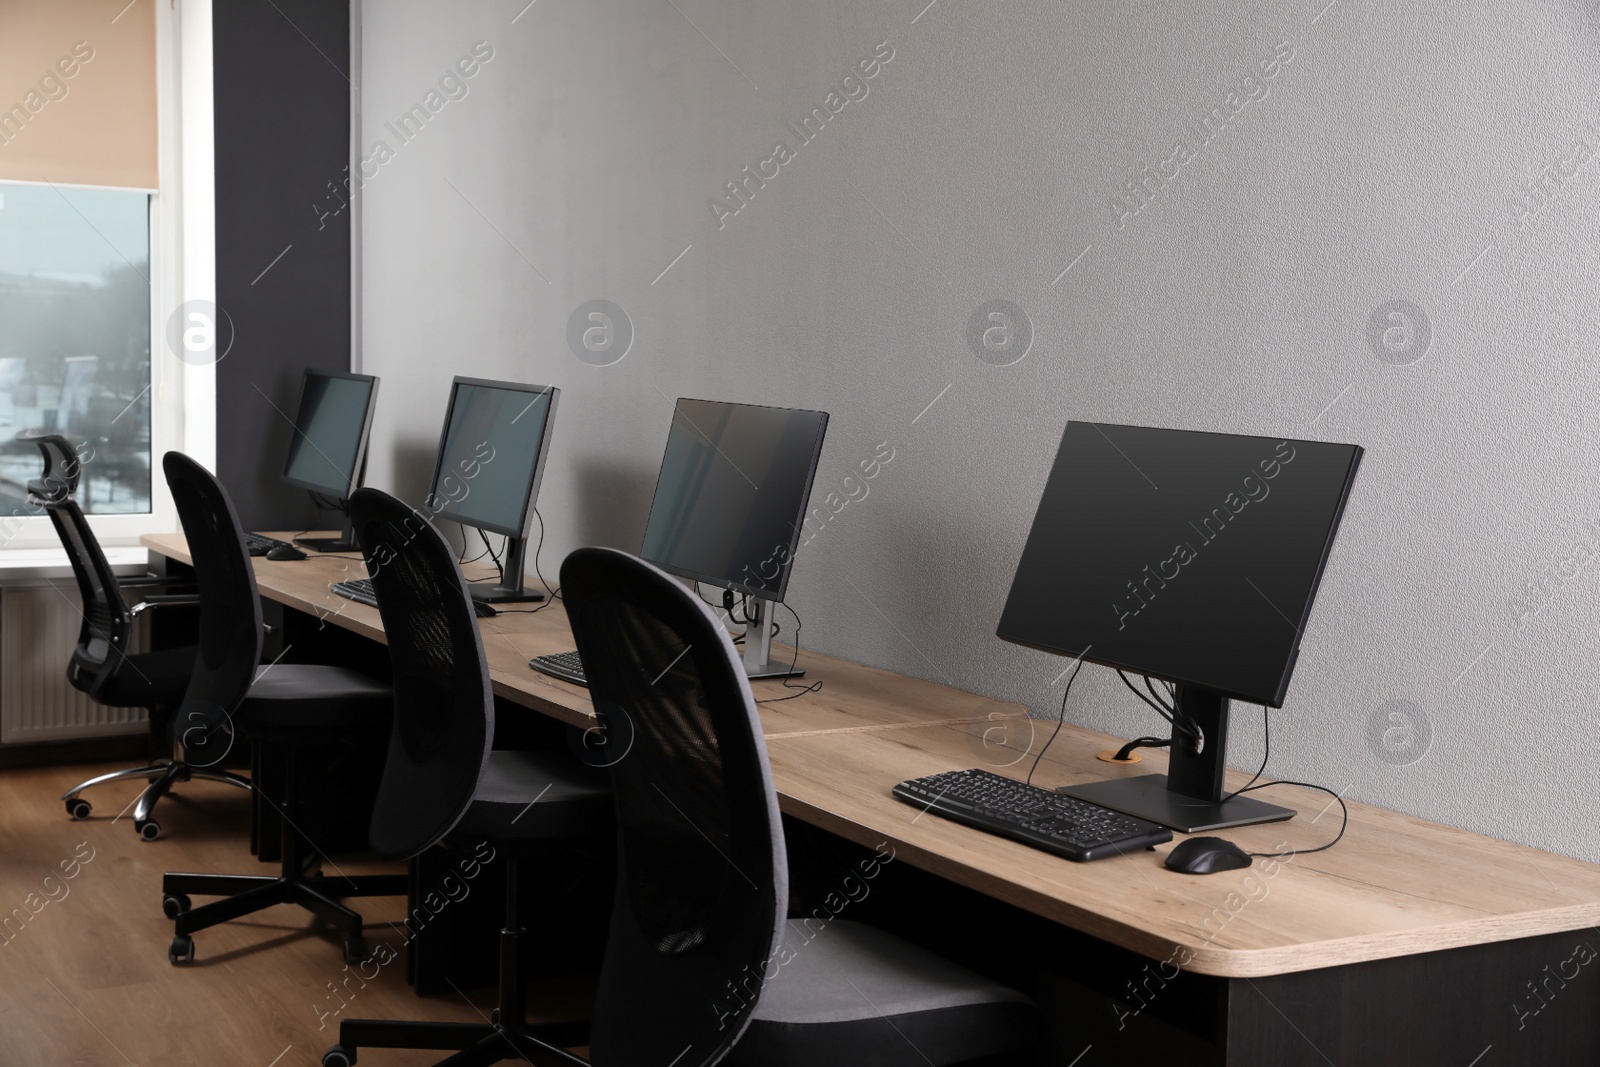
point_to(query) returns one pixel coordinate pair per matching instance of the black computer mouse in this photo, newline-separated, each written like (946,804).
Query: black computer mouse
(283,552)
(1207,855)
(484,609)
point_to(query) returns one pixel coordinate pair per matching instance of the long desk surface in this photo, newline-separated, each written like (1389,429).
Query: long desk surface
(853,698)
(1395,886)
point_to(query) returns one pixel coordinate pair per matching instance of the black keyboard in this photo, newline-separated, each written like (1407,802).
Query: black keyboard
(1006,807)
(260,546)
(358,589)
(564,665)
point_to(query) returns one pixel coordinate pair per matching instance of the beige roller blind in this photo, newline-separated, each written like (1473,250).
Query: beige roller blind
(78,92)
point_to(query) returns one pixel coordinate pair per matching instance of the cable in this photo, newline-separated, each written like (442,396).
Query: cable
(1141,742)
(1303,785)
(500,570)
(1266,729)
(327,503)
(1172,717)
(1059,721)
(554,592)
(1165,701)
(814,687)
(1251,787)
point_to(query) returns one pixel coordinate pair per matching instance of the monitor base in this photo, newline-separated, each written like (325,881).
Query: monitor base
(771,670)
(327,544)
(1147,797)
(499,594)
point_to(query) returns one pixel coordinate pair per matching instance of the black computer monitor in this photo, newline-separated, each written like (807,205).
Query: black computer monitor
(1189,557)
(328,449)
(487,472)
(730,502)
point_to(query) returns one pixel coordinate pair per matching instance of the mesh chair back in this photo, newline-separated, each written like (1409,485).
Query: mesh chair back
(444,708)
(702,877)
(107,624)
(230,607)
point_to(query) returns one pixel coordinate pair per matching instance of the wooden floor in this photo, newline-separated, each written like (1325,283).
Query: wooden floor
(84,977)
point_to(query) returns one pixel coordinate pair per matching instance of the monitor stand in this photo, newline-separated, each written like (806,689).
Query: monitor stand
(345,542)
(1189,797)
(758,642)
(512,590)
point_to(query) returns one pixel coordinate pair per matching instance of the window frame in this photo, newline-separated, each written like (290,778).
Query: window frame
(182,397)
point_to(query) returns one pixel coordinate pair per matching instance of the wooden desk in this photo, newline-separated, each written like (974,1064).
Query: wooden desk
(853,698)
(1394,886)
(1409,943)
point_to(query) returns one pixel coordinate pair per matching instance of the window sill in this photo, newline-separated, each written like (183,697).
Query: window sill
(35,564)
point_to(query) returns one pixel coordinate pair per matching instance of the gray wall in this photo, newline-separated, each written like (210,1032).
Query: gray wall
(1384,162)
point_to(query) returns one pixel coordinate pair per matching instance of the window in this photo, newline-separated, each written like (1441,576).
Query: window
(75,350)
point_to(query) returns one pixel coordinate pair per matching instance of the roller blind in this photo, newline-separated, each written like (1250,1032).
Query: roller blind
(78,92)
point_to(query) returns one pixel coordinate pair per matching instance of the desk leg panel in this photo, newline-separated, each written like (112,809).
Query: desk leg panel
(1533,1000)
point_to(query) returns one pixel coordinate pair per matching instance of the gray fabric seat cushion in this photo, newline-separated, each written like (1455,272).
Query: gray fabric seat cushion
(536,796)
(846,993)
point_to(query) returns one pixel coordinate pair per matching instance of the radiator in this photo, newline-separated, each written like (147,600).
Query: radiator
(38,631)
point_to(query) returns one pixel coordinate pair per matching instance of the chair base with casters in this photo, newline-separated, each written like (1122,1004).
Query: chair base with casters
(523,798)
(155,681)
(162,776)
(292,705)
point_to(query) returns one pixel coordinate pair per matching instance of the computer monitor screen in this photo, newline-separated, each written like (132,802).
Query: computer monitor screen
(1191,557)
(329,443)
(491,454)
(732,494)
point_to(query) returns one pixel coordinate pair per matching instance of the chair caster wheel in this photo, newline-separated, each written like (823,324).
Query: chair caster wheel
(355,950)
(181,950)
(339,1056)
(174,905)
(79,808)
(149,830)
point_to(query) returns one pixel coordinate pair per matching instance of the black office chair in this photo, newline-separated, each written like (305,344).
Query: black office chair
(231,697)
(442,783)
(699,914)
(703,878)
(101,665)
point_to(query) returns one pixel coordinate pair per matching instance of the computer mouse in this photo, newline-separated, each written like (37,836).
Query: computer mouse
(484,609)
(283,552)
(1207,855)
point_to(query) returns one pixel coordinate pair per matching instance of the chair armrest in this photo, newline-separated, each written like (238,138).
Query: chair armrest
(152,581)
(177,600)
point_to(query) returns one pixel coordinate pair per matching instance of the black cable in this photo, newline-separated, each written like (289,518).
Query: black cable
(1165,701)
(737,638)
(814,687)
(499,570)
(1266,730)
(1303,851)
(1141,742)
(1059,721)
(461,557)
(1171,717)
(327,503)
(552,592)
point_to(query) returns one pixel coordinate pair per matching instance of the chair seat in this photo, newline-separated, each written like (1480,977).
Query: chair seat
(150,678)
(536,796)
(854,994)
(293,696)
